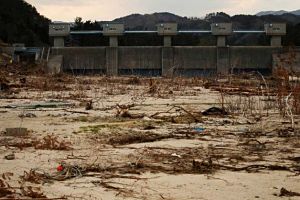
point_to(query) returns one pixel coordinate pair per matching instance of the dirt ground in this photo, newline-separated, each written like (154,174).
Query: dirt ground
(147,138)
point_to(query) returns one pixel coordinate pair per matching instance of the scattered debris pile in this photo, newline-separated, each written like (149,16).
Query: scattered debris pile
(20,192)
(250,140)
(52,142)
(49,142)
(286,193)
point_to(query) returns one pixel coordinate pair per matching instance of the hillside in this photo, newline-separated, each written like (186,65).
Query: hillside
(280,12)
(240,22)
(20,22)
(148,21)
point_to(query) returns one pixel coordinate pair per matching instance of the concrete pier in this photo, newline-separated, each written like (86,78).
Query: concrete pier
(167,61)
(112,61)
(223,60)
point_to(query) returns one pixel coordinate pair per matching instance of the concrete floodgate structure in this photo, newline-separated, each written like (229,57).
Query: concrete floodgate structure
(166,60)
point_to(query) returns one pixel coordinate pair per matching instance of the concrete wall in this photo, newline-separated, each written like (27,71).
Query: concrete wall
(195,58)
(245,57)
(167,61)
(139,58)
(89,58)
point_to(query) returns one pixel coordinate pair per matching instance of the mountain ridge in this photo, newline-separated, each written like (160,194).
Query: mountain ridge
(279,12)
(20,22)
(241,21)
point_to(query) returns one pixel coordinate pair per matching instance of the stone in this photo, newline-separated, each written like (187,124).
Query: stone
(17,132)
(10,156)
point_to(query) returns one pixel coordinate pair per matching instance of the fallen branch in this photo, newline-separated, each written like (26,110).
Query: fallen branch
(77,112)
(189,113)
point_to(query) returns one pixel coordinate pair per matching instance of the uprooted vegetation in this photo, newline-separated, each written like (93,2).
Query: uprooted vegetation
(121,128)
(259,95)
(49,142)
(251,154)
(9,192)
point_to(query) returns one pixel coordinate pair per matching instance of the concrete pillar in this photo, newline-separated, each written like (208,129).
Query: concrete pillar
(223,60)
(167,61)
(113,41)
(59,41)
(275,30)
(221,30)
(55,64)
(59,31)
(167,41)
(276,41)
(221,41)
(112,61)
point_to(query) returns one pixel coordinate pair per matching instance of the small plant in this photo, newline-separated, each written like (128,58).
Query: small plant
(296,99)
(51,142)
(153,87)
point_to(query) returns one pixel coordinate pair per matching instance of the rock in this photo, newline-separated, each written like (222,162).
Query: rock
(17,132)
(10,157)
(89,105)
(23,80)
(215,111)
(147,118)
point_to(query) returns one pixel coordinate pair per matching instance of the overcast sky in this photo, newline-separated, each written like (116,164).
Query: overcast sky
(67,10)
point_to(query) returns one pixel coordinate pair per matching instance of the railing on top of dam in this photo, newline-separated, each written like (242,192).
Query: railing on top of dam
(153,32)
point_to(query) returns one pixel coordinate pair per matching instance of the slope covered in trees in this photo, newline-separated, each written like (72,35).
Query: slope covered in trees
(240,22)
(21,23)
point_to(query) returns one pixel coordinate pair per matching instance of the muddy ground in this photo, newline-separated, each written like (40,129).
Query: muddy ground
(142,138)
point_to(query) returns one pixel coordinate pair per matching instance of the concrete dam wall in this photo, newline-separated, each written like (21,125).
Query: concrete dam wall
(166,61)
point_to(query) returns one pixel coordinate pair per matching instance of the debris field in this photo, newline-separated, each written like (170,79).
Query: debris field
(98,137)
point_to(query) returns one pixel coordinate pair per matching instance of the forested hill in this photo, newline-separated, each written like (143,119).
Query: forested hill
(279,12)
(148,21)
(240,22)
(21,23)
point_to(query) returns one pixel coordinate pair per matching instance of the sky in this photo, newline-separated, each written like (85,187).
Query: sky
(68,10)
